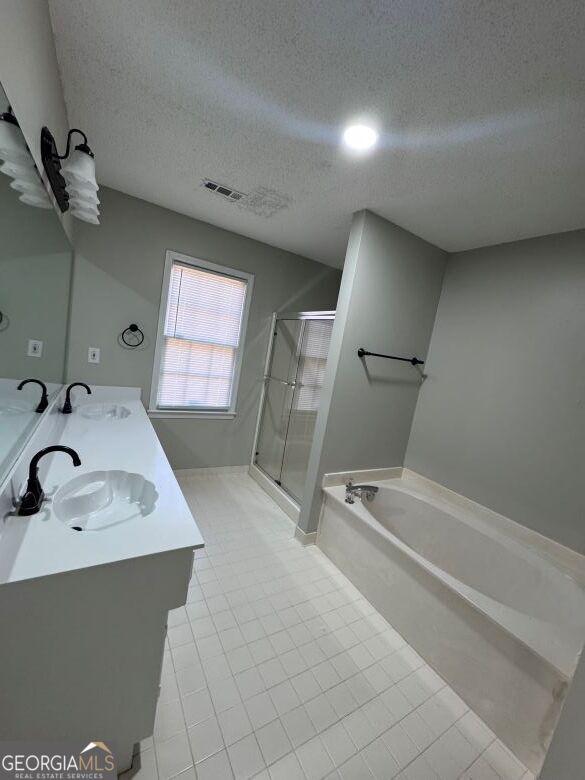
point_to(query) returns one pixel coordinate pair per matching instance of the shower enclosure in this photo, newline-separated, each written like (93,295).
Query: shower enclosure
(295,369)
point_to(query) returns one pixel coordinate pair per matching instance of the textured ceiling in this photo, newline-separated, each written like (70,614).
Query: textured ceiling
(481,104)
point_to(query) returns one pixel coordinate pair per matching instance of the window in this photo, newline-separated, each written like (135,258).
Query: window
(201,330)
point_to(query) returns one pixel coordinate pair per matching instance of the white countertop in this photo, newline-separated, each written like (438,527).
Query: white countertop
(42,545)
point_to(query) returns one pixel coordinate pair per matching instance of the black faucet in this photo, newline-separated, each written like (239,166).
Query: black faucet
(33,495)
(44,402)
(67,405)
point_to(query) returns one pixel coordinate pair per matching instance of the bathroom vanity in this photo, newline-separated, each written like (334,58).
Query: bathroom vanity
(88,576)
(87,582)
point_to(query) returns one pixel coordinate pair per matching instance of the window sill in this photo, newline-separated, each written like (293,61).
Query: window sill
(185,413)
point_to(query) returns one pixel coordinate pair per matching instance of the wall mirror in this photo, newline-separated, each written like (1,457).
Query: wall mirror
(35,277)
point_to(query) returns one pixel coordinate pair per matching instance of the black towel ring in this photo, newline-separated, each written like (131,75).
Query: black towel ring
(132,336)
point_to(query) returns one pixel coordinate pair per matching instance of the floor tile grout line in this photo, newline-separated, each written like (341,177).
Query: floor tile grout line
(225,747)
(359,707)
(253,732)
(421,754)
(355,674)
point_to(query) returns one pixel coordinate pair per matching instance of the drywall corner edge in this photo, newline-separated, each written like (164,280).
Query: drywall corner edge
(309,517)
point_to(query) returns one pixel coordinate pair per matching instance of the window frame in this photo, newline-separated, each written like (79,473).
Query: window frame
(171,258)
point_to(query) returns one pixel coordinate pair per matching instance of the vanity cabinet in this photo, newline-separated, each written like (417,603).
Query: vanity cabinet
(81,651)
(84,603)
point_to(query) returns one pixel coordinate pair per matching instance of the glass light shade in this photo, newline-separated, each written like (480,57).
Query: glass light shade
(79,169)
(83,205)
(34,188)
(19,171)
(85,216)
(36,200)
(13,148)
(84,194)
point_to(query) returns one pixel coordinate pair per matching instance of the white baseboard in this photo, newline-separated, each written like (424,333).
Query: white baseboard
(304,538)
(284,501)
(207,472)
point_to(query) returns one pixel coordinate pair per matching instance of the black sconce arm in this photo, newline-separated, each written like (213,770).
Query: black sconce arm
(52,162)
(83,147)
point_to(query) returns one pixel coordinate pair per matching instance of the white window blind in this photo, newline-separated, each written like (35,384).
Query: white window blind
(312,365)
(200,339)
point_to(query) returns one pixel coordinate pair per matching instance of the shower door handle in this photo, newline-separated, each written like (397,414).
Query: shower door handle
(280,381)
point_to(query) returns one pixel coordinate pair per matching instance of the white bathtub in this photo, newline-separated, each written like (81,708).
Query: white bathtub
(497,609)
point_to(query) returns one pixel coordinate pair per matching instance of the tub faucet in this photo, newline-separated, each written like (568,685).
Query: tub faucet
(33,495)
(366,492)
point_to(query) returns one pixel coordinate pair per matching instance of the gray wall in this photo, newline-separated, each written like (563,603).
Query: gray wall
(30,75)
(117,280)
(387,303)
(35,269)
(501,417)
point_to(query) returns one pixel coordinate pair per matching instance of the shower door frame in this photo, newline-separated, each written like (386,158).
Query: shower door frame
(289,315)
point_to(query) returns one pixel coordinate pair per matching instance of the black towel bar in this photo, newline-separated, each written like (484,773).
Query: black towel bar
(413,360)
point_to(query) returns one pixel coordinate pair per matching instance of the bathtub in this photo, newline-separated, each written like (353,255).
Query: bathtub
(497,609)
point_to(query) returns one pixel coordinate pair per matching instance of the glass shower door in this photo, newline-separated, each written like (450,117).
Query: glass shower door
(292,397)
(306,397)
(278,397)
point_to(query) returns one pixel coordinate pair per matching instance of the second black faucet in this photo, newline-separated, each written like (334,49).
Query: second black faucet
(67,409)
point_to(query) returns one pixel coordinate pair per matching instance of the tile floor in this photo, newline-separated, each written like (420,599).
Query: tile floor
(277,668)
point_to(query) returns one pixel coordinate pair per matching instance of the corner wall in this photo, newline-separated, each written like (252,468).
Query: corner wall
(117,280)
(501,417)
(387,302)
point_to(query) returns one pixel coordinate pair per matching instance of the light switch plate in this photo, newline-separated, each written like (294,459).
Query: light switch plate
(35,348)
(93,355)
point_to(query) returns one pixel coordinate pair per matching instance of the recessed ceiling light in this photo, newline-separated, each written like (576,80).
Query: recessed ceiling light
(360,138)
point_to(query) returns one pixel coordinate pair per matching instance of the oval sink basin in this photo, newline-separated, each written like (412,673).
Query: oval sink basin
(100,500)
(104,411)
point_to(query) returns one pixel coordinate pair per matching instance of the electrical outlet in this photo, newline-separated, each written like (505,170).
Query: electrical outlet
(35,348)
(93,355)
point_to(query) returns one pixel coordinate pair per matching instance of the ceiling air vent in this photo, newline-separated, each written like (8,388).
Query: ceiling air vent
(225,192)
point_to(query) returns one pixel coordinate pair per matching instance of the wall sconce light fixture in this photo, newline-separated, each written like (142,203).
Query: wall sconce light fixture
(73,183)
(18,163)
